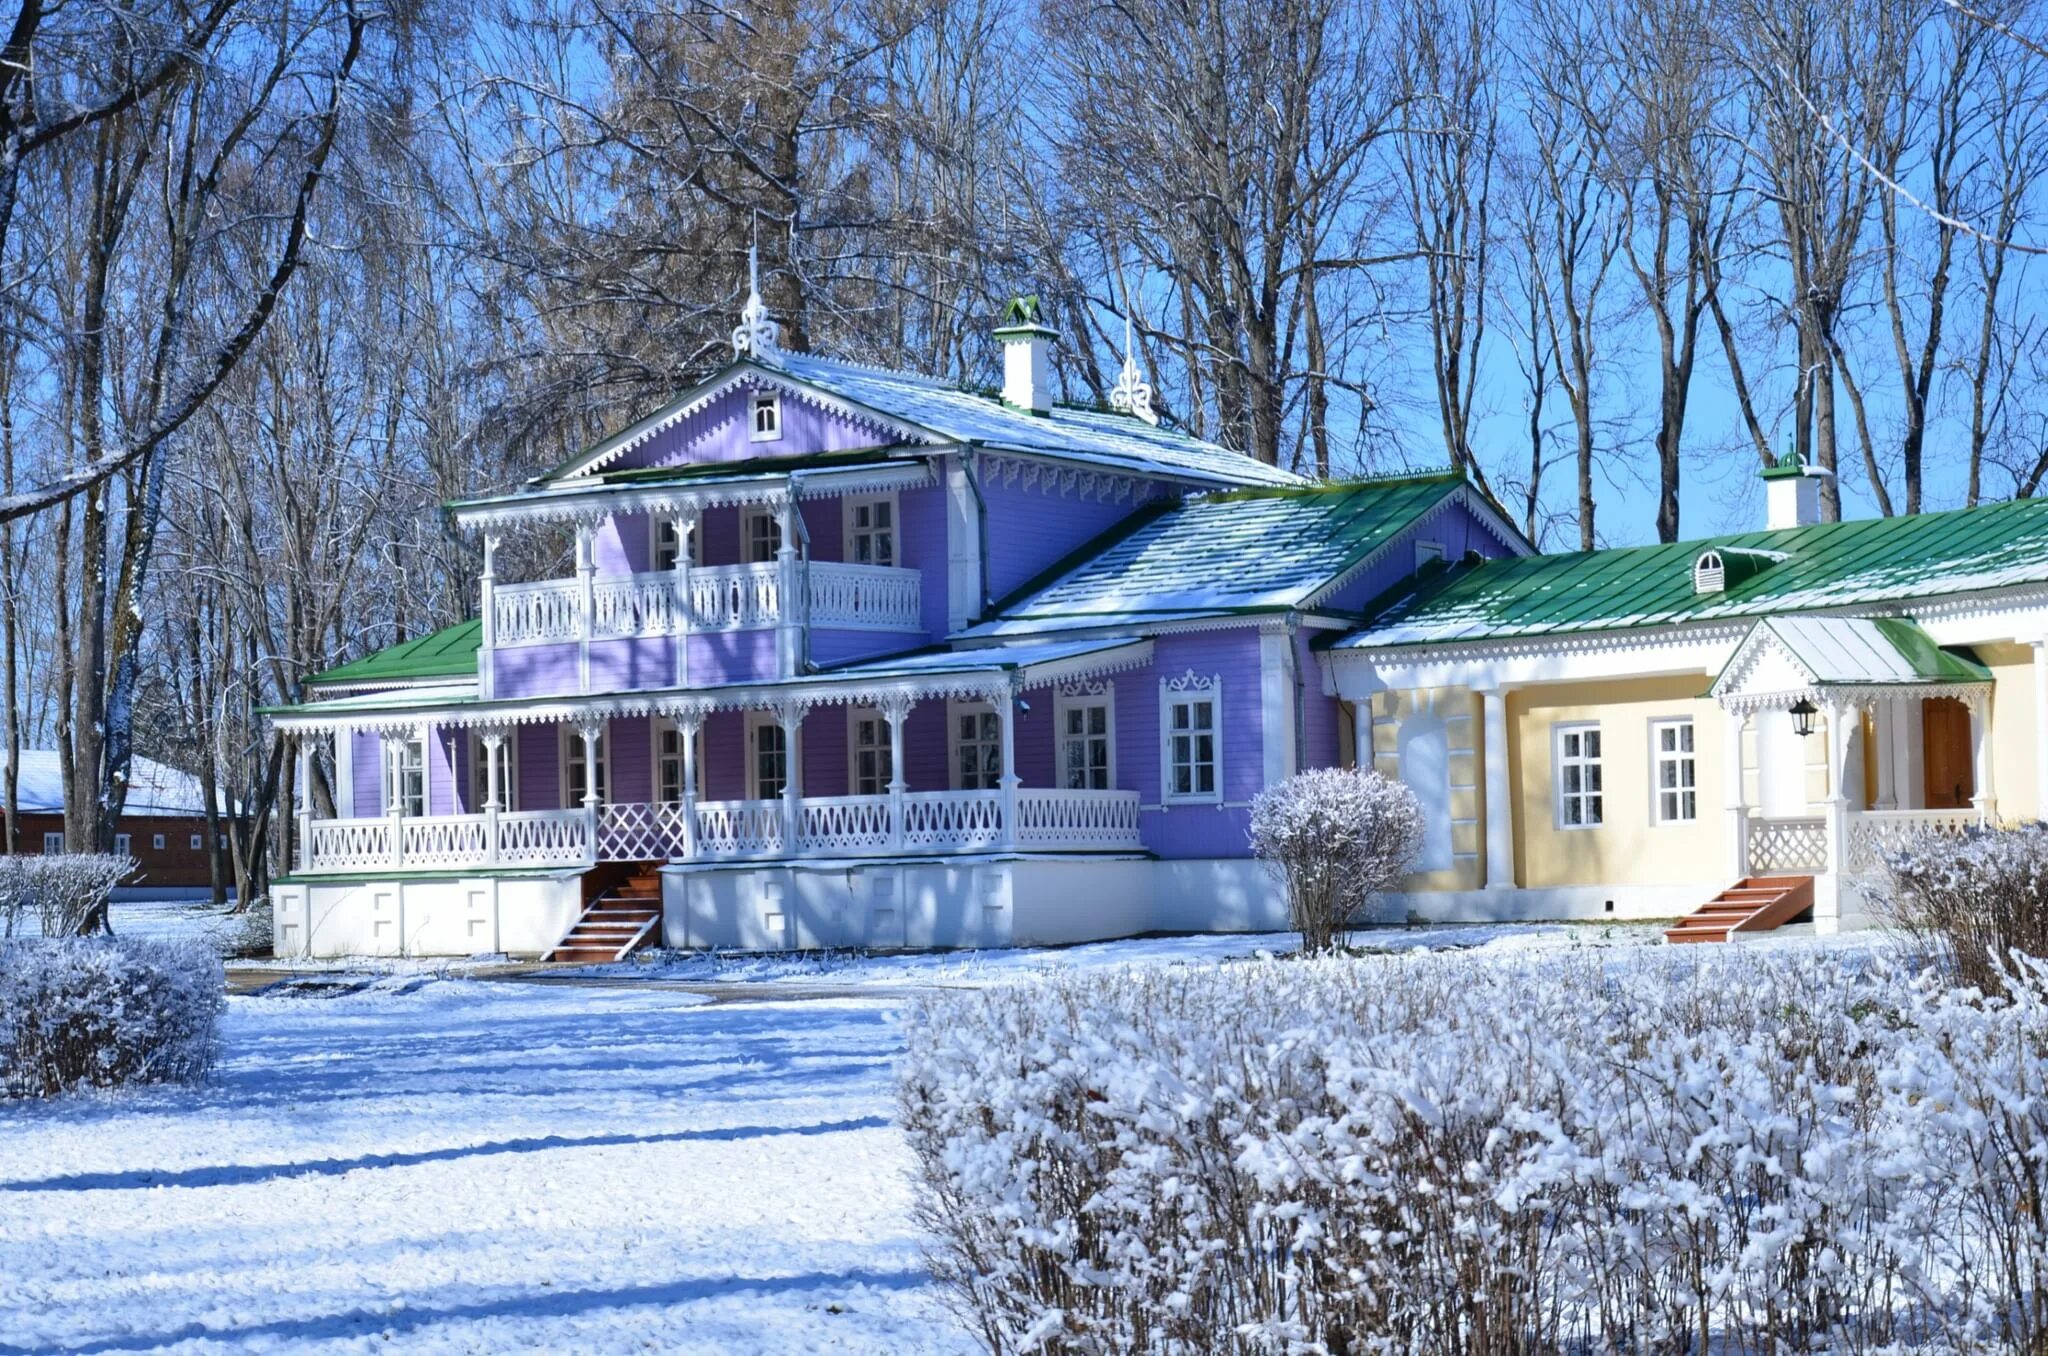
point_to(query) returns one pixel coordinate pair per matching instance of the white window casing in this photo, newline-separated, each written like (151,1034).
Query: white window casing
(974,746)
(1084,716)
(869,768)
(1191,739)
(869,523)
(405,776)
(668,761)
(479,771)
(571,763)
(123,845)
(664,542)
(1580,789)
(1674,772)
(53,842)
(762,535)
(764,417)
(768,761)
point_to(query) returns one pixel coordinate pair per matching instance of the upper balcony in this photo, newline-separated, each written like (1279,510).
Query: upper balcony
(826,594)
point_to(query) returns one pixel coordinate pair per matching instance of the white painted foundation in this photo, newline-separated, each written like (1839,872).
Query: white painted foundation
(465,916)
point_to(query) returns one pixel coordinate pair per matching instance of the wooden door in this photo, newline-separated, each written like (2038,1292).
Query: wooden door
(1950,761)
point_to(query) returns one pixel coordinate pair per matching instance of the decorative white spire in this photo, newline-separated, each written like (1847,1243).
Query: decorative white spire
(755,336)
(1132,394)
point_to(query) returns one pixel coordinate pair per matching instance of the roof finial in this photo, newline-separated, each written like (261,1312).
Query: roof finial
(756,335)
(1131,394)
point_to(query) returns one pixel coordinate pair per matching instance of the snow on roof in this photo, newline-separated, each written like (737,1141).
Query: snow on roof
(1869,561)
(1213,555)
(153,788)
(1852,652)
(1111,441)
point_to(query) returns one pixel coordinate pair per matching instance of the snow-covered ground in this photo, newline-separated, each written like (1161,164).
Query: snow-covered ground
(434,1163)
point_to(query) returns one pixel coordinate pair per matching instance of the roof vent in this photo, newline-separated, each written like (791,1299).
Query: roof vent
(1716,569)
(1027,356)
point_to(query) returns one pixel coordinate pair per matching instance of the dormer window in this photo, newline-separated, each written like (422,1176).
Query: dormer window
(1710,573)
(765,424)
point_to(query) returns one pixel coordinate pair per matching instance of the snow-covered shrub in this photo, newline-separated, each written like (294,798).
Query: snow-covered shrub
(105,1012)
(64,892)
(1972,901)
(1335,837)
(1453,1155)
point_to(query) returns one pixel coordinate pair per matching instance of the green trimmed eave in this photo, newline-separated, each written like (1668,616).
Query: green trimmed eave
(1959,665)
(447,653)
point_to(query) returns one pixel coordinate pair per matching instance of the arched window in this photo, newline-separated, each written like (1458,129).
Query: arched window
(1709,573)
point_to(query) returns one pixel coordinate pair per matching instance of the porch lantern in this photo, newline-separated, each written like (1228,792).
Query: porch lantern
(1803,712)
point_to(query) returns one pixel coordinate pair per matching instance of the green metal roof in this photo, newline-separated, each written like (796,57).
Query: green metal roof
(1872,561)
(1218,554)
(447,653)
(1852,652)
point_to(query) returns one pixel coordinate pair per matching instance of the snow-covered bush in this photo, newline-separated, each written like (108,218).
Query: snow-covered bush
(105,1012)
(1972,901)
(1454,1155)
(1335,837)
(64,892)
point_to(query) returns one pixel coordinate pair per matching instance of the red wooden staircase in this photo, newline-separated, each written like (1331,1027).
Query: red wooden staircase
(618,918)
(1756,904)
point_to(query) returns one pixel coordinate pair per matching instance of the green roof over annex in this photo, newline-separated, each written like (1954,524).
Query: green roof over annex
(1874,562)
(447,653)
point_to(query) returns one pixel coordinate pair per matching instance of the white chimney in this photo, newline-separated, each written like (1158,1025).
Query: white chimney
(1027,356)
(1792,493)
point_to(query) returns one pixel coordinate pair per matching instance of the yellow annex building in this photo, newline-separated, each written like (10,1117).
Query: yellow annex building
(1624,733)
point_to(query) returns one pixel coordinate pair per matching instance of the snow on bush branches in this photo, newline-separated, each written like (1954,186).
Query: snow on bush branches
(104,1012)
(65,892)
(1972,901)
(1335,837)
(1453,1155)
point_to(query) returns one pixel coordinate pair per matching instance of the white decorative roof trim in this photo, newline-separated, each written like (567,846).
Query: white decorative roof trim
(596,503)
(1553,644)
(413,686)
(1060,477)
(1855,696)
(748,374)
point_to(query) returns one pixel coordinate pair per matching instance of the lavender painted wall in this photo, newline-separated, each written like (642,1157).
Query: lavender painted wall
(720,432)
(443,765)
(623,544)
(1195,830)
(629,749)
(1319,744)
(629,664)
(1029,530)
(921,519)
(837,647)
(540,778)
(367,773)
(731,656)
(536,670)
(1455,529)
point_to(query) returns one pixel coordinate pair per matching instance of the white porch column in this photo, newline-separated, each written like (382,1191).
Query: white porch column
(494,746)
(394,812)
(895,708)
(1827,896)
(586,600)
(345,773)
(794,599)
(304,742)
(1732,725)
(1500,799)
(487,583)
(790,715)
(591,731)
(688,723)
(686,524)
(1985,799)
(1006,720)
(1884,740)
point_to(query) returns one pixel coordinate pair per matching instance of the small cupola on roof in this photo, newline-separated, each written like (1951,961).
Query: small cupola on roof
(1792,492)
(1027,356)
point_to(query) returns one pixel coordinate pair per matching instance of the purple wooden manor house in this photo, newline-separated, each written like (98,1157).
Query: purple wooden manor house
(853,657)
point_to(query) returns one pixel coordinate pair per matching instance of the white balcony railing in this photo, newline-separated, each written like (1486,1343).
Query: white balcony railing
(826,826)
(1801,845)
(719,598)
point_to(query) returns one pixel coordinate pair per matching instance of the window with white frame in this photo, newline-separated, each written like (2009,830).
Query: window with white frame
(574,785)
(668,544)
(869,758)
(1677,798)
(767,758)
(668,760)
(405,776)
(764,417)
(871,530)
(1191,718)
(156,842)
(1087,738)
(977,748)
(53,842)
(763,535)
(480,771)
(1580,802)
(123,845)
(198,841)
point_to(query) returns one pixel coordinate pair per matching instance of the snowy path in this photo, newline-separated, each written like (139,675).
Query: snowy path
(477,1167)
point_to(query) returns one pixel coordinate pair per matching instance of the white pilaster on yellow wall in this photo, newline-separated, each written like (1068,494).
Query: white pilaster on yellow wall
(1500,796)
(1827,893)
(1985,798)
(1276,704)
(1732,723)
(2041,727)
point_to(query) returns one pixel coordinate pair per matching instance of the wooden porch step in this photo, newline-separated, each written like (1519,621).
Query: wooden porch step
(1754,904)
(621,914)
